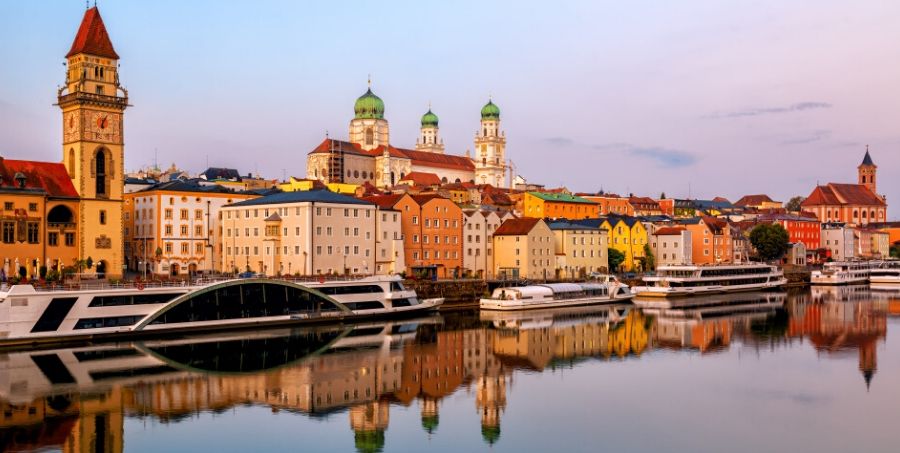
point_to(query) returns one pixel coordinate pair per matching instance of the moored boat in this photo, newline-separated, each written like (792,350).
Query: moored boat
(689,280)
(34,315)
(552,295)
(843,272)
(885,276)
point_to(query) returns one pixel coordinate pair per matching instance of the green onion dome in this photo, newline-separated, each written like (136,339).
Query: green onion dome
(369,106)
(490,434)
(430,423)
(490,111)
(429,119)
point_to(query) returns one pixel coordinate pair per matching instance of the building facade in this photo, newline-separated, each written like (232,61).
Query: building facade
(314,232)
(672,246)
(478,238)
(579,250)
(839,241)
(711,240)
(544,205)
(523,248)
(853,204)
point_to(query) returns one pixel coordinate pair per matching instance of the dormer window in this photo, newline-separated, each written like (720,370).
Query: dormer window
(20,180)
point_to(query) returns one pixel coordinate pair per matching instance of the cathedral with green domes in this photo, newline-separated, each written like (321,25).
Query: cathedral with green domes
(368,156)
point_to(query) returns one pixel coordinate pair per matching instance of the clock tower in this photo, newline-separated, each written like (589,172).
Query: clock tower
(93,105)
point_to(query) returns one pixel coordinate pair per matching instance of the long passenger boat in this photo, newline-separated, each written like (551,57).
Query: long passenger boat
(554,295)
(844,272)
(31,315)
(687,280)
(886,276)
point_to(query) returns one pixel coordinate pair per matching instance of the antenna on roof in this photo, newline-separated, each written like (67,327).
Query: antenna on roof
(370,80)
(326,133)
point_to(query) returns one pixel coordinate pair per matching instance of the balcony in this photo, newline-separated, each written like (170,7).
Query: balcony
(61,226)
(94,98)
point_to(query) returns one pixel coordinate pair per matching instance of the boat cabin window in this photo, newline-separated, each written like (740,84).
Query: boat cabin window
(355,289)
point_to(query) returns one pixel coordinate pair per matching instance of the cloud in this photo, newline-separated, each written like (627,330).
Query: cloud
(798,107)
(815,136)
(663,156)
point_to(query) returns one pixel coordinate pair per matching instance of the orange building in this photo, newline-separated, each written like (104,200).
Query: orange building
(432,233)
(543,205)
(611,204)
(711,241)
(854,204)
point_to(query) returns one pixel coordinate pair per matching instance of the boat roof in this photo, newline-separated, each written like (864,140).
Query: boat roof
(589,286)
(528,291)
(563,287)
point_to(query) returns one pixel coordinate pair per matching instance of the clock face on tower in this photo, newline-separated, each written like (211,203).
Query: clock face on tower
(70,127)
(102,126)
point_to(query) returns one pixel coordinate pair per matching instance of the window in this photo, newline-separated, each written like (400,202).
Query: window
(33,232)
(102,217)
(70,239)
(9,232)
(198,214)
(198,230)
(33,208)
(184,248)
(8,206)
(168,247)
(168,230)
(184,230)
(100,170)
(52,239)
(198,249)
(168,214)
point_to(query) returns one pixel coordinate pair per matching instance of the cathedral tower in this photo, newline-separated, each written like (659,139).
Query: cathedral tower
(867,172)
(93,103)
(429,138)
(368,128)
(490,147)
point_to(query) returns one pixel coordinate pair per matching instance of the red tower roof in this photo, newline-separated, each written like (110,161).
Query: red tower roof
(92,37)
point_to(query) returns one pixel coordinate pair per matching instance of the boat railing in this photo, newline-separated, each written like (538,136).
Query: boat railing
(91,285)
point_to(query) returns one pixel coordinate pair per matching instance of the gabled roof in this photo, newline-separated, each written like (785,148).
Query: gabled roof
(50,177)
(92,37)
(753,200)
(842,194)
(384,201)
(566,225)
(303,196)
(517,227)
(421,178)
(591,223)
(670,231)
(560,197)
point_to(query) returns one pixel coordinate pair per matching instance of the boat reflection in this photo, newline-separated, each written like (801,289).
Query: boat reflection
(77,399)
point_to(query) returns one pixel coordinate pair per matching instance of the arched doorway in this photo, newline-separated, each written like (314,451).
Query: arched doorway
(192,270)
(174,269)
(101,269)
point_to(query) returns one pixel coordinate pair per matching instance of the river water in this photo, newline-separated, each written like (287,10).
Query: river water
(811,371)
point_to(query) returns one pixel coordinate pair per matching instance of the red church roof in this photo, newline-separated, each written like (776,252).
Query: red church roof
(419,158)
(842,194)
(92,37)
(50,177)
(422,178)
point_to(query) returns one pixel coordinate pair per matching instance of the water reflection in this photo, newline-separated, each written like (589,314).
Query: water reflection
(77,399)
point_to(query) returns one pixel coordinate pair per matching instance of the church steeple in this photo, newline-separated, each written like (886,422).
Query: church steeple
(429,136)
(867,171)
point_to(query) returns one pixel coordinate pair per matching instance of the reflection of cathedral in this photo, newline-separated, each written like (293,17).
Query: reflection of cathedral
(369,157)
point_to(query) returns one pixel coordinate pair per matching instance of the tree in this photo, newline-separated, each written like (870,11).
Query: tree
(895,250)
(770,240)
(649,259)
(793,205)
(616,258)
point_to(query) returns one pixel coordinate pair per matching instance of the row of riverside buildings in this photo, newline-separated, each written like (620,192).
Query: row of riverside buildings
(368,207)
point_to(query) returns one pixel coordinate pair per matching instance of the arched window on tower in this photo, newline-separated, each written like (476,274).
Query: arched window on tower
(100,173)
(370,136)
(71,163)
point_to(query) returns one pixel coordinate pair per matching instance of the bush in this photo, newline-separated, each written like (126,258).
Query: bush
(42,271)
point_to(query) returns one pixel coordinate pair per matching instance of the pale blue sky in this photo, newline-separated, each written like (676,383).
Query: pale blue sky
(726,98)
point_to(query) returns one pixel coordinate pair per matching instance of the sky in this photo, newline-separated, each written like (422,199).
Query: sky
(692,98)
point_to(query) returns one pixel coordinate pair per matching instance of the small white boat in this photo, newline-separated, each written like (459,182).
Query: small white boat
(688,280)
(843,272)
(553,295)
(31,315)
(887,275)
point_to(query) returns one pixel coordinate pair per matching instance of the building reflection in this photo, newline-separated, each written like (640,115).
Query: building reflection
(76,400)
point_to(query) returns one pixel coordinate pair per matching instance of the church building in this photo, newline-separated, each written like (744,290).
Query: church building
(368,155)
(56,214)
(854,204)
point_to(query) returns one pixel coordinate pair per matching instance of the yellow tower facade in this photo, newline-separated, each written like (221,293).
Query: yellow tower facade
(93,105)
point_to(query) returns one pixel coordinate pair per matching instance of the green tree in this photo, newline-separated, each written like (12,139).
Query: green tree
(649,259)
(770,240)
(895,250)
(793,205)
(616,258)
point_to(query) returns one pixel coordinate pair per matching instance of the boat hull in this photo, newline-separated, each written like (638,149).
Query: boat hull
(517,305)
(665,292)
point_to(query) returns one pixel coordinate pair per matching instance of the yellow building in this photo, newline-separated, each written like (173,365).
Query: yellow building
(627,235)
(580,250)
(298,184)
(523,248)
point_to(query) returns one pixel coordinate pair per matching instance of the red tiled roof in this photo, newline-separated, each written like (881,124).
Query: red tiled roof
(517,227)
(669,231)
(423,198)
(843,194)
(421,178)
(721,199)
(92,37)
(715,225)
(420,158)
(50,177)
(384,201)
(753,200)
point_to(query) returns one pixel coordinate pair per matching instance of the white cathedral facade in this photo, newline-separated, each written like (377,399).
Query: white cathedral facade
(369,157)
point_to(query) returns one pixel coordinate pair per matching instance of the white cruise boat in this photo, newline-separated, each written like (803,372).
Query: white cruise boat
(687,280)
(29,315)
(885,276)
(552,295)
(843,272)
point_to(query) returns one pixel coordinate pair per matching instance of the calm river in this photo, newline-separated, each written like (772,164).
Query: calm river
(813,371)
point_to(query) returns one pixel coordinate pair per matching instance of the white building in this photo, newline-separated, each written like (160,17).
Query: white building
(478,231)
(840,240)
(389,256)
(672,245)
